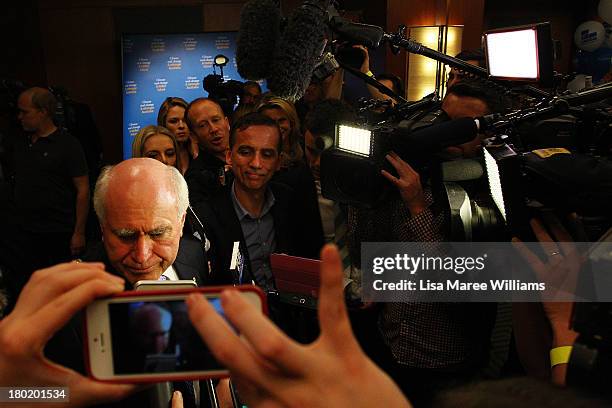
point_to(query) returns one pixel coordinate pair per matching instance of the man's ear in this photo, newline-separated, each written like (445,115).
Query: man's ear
(228,156)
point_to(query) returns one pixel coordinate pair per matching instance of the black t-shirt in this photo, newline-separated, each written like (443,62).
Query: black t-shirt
(44,191)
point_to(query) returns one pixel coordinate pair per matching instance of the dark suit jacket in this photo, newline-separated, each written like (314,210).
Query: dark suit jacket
(295,231)
(203,177)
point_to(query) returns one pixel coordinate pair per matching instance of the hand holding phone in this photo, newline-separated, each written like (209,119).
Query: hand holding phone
(47,302)
(268,368)
(146,336)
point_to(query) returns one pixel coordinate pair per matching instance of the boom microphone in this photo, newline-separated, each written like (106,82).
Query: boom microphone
(257,37)
(298,50)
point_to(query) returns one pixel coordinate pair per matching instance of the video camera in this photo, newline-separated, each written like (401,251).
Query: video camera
(550,150)
(225,92)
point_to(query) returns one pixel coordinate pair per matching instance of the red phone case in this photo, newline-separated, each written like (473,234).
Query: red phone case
(162,377)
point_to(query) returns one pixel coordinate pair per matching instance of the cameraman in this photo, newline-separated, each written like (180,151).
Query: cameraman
(424,346)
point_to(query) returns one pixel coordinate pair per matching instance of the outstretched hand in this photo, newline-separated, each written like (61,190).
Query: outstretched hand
(269,369)
(48,301)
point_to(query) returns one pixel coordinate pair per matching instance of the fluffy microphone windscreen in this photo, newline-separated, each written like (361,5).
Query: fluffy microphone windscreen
(297,53)
(257,36)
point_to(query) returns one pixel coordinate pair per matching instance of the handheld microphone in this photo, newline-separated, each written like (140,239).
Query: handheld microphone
(298,51)
(257,37)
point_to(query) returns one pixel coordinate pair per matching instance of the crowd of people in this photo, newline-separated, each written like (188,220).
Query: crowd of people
(201,179)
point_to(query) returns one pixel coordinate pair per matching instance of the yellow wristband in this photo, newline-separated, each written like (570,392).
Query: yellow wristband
(560,355)
(370,74)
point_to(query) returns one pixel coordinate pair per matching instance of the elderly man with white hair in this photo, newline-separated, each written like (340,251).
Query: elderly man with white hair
(141,205)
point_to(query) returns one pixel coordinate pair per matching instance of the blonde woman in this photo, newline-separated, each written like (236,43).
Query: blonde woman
(158,143)
(171,115)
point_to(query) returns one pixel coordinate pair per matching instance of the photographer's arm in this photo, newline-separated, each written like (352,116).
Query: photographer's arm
(332,85)
(270,369)
(365,68)
(48,301)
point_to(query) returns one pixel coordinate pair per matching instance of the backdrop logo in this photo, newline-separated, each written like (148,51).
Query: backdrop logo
(128,45)
(158,45)
(192,82)
(147,107)
(143,64)
(174,63)
(206,61)
(133,129)
(222,43)
(131,87)
(190,43)
(161,84)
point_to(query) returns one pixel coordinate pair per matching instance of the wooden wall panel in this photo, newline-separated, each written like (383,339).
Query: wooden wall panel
(222,16)
(433,12)
(81,55)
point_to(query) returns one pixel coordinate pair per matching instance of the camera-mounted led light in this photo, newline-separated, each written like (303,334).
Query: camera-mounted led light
(495,186)
(354,140)
(221,60)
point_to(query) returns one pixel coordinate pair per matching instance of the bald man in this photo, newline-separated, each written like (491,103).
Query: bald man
(141,205)
(51,183)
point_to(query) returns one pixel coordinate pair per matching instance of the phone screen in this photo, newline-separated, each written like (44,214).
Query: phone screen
(157,337)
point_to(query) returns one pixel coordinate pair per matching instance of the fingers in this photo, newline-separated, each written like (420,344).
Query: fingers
(562,236)
(546,242)
(177,400)
(88,392)
(403,168)
(390,177)
(532,259)
(223,342)
(60,310)
(49,283)
(265,338)
(333,317)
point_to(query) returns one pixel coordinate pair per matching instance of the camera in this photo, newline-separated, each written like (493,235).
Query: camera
(549,151)
(225,92)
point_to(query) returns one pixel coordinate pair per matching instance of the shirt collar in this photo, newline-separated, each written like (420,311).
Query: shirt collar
(241,212)
(170,274)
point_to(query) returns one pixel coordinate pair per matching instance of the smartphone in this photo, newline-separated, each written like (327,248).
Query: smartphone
(164,284)
(146,336)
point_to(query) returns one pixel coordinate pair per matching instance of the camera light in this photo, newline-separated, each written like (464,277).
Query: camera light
(354,140)
(513,54)
(221,60)
(495,186)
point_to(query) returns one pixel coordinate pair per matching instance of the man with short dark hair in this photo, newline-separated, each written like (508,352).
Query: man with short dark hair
(262,215)
(251,94)
(206,174)
(471,98)
(51,183)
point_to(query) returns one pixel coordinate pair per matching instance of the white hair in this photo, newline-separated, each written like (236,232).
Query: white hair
(176,178)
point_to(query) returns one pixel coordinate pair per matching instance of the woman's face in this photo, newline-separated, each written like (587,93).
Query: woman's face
(175,122)
(161,148)
(282,119)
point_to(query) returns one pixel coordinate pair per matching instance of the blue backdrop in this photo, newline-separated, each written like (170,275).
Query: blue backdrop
(158,66)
